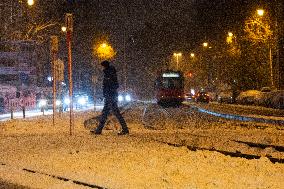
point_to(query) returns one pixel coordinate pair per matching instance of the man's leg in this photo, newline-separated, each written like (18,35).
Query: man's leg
(103,117)
(118,115)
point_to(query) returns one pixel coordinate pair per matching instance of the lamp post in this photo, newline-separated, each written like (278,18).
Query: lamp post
(177,55)
(260,12)
(69,31)
(209,65)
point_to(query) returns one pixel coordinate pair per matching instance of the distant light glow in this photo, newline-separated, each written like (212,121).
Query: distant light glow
(63,28)
(67,101)
(104,51)
(260,12)
(58,102)
(104,45)
(192,55)
(230,34)
(128,98)
(31,2)
(120,98)
(42,103)
(192,91)
(171,75)
(177,54)
(82,100)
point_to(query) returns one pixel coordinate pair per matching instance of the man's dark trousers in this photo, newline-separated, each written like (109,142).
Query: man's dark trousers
(111,104)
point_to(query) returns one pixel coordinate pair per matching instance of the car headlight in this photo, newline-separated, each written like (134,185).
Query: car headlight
(58,102)
(128,98)
(82,101)
(120,98)
(42,103)
(67,101)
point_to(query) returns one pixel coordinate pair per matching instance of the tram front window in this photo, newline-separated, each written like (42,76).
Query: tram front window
(171,83)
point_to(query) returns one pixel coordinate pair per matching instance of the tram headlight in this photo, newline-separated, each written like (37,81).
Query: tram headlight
(42,103)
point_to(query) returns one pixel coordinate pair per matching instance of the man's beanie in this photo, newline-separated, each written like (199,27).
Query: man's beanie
(105,63)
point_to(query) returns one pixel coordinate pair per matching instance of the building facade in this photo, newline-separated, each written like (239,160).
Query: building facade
(18,78)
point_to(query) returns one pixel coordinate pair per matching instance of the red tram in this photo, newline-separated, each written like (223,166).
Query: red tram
(170,88)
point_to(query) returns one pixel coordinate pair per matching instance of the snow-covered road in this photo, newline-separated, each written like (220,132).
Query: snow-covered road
(155,156)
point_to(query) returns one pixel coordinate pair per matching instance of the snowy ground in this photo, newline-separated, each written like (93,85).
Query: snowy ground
(37,155)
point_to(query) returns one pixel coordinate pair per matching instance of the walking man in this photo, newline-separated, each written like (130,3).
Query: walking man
(110,86)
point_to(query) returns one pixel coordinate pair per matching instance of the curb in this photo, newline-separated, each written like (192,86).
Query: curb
(239,117)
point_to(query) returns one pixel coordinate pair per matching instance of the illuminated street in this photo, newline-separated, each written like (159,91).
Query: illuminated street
(177,146)
(144,94)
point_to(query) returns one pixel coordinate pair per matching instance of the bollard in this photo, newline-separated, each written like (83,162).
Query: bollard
(42,110)
(24,112)
(12,114)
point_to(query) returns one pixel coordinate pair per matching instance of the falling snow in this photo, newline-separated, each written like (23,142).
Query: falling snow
(144,159)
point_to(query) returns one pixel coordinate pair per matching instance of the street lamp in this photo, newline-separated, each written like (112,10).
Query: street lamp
(192,55)
(209,64)
(30,2)
(104,45)
(103,50)
(230,37)
(260,12)
(177,55)
(63,28)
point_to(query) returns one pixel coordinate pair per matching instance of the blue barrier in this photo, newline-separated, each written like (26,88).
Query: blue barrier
(239,117)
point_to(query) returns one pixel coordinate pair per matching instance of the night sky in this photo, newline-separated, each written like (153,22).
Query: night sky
(151,29)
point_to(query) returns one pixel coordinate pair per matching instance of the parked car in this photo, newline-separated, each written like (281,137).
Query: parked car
(273,99)
(202,97)
(249,97)
(188,97)
(277,100)
(265,89)
(225,97)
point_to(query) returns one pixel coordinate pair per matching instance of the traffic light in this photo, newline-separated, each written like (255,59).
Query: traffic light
(189,74)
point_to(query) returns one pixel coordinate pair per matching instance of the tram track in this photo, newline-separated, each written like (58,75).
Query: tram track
(233,153)
(61,178)
(170,113)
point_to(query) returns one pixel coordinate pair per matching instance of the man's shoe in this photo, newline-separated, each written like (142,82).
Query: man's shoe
(96,132)
(123,133)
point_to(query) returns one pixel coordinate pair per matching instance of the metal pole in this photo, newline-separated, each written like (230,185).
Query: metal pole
(177,62)
(69,24)
(54,50)
(70,79)
(54,88)
(270,66)
(124,59)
